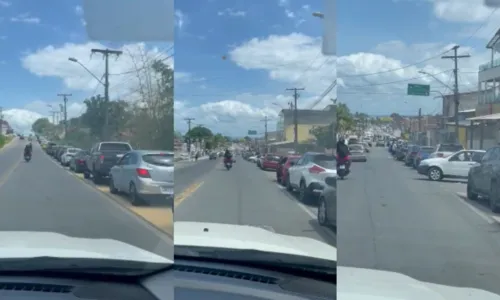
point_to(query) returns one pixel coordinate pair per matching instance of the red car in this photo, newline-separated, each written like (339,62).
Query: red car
(270,162)
(282,169)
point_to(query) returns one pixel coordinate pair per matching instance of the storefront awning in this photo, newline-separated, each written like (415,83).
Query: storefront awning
(485,117)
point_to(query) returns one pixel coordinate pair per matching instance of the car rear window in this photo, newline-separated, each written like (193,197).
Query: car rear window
(325,161)
(115,147)
(426,149)
(450,148)
(356,147)
(165,160)
(273,158)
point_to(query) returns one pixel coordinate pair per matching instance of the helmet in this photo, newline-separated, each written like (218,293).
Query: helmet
(341,139)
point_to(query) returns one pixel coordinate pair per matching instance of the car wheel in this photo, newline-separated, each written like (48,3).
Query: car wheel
(493,197)
(288,184)
(435,174)
(112,188)
(135,199)
(304,194)
(322,212)
(470,191)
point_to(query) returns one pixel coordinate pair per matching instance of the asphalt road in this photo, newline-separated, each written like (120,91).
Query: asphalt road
(244,195)
(42,196)
(390,218)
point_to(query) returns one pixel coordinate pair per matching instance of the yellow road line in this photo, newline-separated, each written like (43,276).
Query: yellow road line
(162,218)
(9,172)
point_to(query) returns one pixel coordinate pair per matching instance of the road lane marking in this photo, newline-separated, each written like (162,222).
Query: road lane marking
(484,216)
(120,202)
(186,193)
(9,172)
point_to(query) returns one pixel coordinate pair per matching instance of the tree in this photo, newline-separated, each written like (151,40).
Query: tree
(42,126)
(324,136)
(199,132)
(345,120)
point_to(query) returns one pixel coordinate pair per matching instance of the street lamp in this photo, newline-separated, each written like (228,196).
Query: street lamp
(72,59)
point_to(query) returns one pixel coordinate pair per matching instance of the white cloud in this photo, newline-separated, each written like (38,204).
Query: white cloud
(292,60)
(126,70)
(475,18)
(180,19)
(25,18)
(232,13)
(5,3)
(20,119)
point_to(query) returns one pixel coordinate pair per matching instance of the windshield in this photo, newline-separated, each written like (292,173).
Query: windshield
(88,95)
(356,147)
(404,213)
(251,83)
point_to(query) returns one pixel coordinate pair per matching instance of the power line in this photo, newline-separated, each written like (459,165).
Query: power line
(455,57)
(65,111)
(295,116)
(106,53)
(189,120)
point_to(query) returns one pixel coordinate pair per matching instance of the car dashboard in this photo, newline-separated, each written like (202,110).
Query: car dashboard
(186,280)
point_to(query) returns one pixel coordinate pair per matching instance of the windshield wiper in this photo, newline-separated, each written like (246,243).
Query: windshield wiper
(79,265)
(311,264)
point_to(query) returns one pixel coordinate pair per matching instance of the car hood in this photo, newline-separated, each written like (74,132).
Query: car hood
(29,244)
(367,284)
(244,237)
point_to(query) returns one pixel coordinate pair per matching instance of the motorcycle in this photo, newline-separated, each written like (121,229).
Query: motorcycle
(228,163)
(27,157)
(343,167)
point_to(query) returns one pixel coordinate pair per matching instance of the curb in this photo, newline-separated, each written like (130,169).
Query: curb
(462,195)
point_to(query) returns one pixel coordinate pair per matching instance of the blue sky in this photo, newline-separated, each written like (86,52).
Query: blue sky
(268,46)
(37,40)
(232,95)
(372,37)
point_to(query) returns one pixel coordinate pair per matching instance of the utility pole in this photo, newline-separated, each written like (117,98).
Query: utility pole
(265,120)
(419,125)
(1,120)
(295,116)
(189,120)
(455,58)
(106,53)
(65,111)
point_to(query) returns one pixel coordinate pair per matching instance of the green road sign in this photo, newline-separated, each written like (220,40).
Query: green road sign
(418,89)
(252,132)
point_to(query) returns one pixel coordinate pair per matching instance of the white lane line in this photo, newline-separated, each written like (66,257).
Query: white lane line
(484,216)
(302,206)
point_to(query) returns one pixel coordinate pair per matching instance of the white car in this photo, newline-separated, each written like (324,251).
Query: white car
(309,173)
(456,165)
(445,150)
(68,155)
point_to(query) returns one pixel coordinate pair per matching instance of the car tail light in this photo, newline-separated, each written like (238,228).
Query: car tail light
(101,158)
(81,161)
(143,173)
(316,170)
(439,154)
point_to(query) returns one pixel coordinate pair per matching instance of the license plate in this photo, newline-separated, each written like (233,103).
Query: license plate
(166,190)
(342,167)
(119,155)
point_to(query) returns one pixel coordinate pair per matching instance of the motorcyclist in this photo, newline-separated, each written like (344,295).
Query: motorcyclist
(28,149)
(227,154)
(342,149)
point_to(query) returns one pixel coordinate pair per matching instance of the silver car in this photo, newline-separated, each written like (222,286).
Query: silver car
(147,176)
(358,153)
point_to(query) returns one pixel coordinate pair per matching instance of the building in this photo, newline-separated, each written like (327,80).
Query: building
(307,120)
(485,126)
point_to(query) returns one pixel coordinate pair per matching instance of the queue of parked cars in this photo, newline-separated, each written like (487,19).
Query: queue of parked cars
(312,176)
(439,162)
(145,176)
